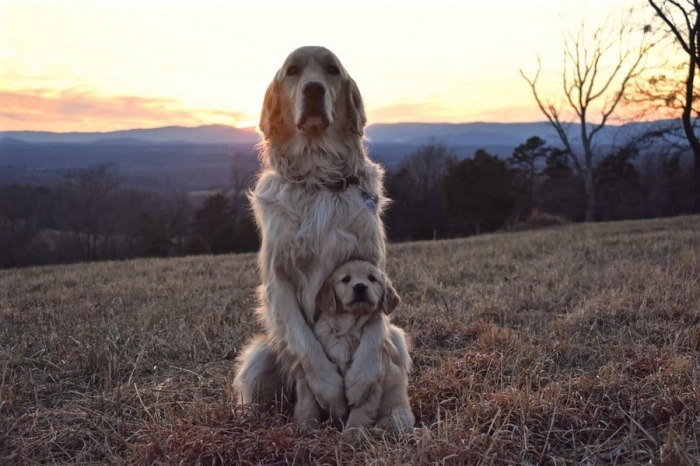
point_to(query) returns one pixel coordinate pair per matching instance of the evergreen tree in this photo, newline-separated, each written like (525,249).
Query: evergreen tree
(479,191)
(529,160)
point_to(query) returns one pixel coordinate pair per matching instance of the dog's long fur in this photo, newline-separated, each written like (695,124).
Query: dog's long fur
(353,296)
(309,230)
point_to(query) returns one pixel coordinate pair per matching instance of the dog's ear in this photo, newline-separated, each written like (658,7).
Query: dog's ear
(356,118)
(325,299)
(271,115)
(390,298)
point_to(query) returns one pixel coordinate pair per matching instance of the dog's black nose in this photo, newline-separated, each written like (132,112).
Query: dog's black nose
(314,90)
(359,288)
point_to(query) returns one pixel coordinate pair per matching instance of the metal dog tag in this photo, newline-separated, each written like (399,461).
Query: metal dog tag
(371,201)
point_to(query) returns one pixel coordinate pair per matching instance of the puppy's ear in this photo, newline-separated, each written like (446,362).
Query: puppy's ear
(390,299)
(271,115)
(325,299)
(356,118)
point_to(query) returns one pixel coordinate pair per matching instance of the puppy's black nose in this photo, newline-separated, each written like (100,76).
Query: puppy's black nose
(314,90)
(360,288)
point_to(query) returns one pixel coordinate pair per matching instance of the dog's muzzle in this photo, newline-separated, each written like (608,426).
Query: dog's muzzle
(314,113)
(360,294)
(359,289)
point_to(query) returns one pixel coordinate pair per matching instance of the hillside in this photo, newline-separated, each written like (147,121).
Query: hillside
(182,159)
(480,134)
(573,345)
(207,134)
(159,167)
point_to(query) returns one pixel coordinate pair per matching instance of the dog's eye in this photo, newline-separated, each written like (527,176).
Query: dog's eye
(292,70)
(372,278)
(346,280)
(332,70)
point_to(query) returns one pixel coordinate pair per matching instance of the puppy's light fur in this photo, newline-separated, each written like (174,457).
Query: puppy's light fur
(354,295)
(309,230)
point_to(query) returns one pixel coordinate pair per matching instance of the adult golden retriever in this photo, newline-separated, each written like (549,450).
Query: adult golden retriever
(356,295)
(318,203)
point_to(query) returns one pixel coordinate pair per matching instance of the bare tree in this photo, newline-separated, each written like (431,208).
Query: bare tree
(89,212)
(682,17)
(241,178)
(416,211)
(527,159)
(598,71)
(24,212)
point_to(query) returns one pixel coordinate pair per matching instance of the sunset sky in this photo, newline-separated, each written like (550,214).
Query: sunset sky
(107,65)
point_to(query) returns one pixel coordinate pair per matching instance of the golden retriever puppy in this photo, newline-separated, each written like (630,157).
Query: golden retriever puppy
(318,203)
(354,295)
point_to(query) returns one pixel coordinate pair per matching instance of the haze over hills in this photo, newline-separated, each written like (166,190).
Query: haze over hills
(456,133)
(208,134)
(202,158)
(452,134)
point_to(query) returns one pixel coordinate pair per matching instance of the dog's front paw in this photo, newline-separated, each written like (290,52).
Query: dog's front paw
(307,423)
(307,412)
(329,389)
(355,435)
(360,380)
(398,420)
(338,407)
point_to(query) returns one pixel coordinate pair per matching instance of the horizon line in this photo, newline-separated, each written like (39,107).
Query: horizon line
(254,129)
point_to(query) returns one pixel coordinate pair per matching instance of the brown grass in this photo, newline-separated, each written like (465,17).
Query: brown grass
(573,345)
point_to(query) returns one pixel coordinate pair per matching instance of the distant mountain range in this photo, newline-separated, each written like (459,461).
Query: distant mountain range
(457,134)
(209,134)
(181,159)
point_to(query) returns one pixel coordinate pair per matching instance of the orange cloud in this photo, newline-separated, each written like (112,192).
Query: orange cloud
(73,110)
(530,113)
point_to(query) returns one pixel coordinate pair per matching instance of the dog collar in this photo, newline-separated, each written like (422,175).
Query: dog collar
(371,200)
(342,184)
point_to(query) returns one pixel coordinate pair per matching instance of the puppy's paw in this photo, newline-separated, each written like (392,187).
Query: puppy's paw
(307,412)
(360,419)
(329,390)
(305,424)
(360,380)
(338,407)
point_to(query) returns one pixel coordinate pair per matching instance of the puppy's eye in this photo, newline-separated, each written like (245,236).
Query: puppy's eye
(292,70)
(372,278)
(332,70)
(346,280)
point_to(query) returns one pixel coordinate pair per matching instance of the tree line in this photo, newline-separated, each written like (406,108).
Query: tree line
(435,195)
(644,60)
(93,216)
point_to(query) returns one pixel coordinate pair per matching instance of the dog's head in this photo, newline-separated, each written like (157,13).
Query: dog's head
(357,287)
(309,95)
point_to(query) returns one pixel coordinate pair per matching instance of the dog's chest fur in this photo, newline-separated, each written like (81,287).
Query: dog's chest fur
(309,233)
(336,223)
(340,336)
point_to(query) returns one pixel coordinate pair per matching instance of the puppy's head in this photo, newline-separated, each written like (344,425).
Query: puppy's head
(311,93)
(357,287)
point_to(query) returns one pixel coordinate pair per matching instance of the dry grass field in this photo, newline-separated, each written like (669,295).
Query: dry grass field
(573,345)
